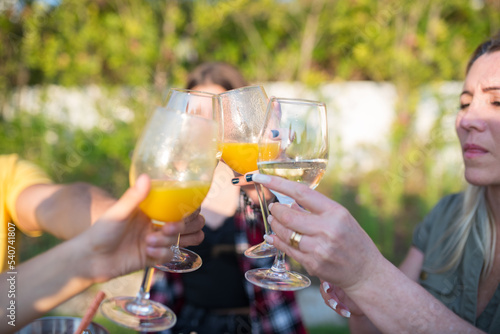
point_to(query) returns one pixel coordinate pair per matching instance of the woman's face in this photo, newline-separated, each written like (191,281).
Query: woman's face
(210,88)
(206,110)
(478,121)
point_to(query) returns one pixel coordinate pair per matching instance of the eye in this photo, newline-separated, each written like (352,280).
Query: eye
(496,103)
(463,106)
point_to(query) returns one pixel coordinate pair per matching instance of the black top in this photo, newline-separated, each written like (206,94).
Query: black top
(219,282)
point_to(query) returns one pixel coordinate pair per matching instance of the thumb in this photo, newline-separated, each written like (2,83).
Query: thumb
(130,200)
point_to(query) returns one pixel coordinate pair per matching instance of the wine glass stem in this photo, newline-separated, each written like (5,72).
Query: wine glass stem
(263,207)
(279,264)
(141,305)
(175,249)
(143,294)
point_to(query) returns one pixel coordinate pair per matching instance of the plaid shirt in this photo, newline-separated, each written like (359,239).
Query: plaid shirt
(271,311)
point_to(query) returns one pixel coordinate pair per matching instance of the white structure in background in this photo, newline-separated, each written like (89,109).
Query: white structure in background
(360,114)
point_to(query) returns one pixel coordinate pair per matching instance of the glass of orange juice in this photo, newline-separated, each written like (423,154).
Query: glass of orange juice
(177,150)
(243,112)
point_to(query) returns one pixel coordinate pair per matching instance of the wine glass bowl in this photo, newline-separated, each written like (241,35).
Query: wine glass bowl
(298,132)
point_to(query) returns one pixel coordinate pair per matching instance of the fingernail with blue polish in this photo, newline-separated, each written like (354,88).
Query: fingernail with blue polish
(261,178)
(248,177)
(275,133)
(235,180)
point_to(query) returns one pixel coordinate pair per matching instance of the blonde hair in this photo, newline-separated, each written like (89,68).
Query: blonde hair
(476,221)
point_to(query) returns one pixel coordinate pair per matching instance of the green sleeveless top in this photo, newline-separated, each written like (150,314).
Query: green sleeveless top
(457,289)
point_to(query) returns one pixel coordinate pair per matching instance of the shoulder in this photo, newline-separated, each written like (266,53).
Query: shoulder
(438,220)
(448,205)
(14,168)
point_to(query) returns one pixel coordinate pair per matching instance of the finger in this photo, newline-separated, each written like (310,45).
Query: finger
(194,225)
(311,200)
(191,239)
(329,297)
(306,245)
(158,255)
(244,180)
(297,207)
(130,200)
(160,239)
(172,229)
(284,246)
(192,216)
(290,220)
(332,300)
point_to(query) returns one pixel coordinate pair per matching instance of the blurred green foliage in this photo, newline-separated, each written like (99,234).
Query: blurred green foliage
(148,46)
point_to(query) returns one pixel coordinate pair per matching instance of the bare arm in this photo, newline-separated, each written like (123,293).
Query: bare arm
(61,210)
(396,304)
(411,267)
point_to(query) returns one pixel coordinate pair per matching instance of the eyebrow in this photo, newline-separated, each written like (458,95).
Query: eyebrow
(486,89)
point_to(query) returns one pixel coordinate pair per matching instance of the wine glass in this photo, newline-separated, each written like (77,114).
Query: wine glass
(177,151)
(299,128)
(204,105)
(243,112)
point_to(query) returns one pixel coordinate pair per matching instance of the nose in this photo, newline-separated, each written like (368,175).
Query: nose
(472,118)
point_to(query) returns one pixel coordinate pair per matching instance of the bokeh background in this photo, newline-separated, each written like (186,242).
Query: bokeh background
(78,79)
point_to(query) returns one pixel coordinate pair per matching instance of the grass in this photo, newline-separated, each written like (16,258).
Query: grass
(329,329)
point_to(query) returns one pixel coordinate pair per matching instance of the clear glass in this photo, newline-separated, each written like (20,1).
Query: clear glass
(206,105)
(243,112)
(177,151)
(293,144)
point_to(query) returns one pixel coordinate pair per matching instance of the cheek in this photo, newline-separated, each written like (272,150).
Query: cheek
(458,129)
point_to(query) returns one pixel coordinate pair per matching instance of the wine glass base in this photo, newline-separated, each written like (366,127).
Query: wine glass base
(284,281)
(262,250)
(150,317)
(186,262)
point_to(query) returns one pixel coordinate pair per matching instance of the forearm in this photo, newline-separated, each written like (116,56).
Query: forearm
(396,304)
(72,209)
(41,284)
(362,325)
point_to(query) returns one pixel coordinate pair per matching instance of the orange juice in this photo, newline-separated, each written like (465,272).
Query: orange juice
(171,201)
(242,157)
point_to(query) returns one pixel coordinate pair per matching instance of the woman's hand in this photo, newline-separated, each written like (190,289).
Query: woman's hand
(333,246)
(124,240)
(335,298)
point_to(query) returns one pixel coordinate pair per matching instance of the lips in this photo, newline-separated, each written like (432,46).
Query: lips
(473,150)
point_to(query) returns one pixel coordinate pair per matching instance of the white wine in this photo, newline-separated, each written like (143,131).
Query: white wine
(308,172)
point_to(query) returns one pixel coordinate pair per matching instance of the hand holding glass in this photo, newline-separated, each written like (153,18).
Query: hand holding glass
(298,129)
(178,152)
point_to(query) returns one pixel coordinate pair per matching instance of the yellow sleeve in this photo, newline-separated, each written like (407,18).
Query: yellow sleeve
(15,176)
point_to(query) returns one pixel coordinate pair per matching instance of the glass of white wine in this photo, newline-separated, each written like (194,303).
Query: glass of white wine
(178,152)
(299,128)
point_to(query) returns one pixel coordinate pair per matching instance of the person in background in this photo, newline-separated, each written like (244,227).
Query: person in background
(121,241)
(449,280)
(217,298)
